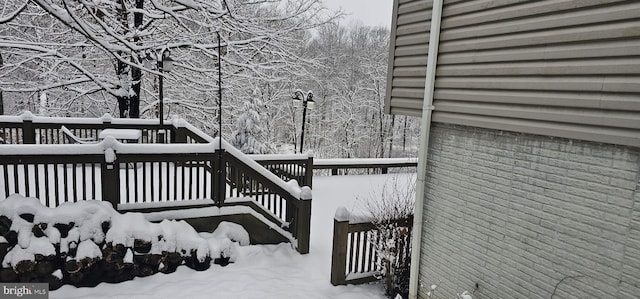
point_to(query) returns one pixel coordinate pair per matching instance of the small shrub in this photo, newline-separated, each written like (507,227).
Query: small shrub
(392,214)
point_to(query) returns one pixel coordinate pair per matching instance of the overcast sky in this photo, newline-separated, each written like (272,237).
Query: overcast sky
(370,12)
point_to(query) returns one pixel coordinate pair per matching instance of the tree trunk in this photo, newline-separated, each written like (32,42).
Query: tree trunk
(404,135)
(123,101)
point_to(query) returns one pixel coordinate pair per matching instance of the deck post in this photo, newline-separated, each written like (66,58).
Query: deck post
(110,172)
(339,251)
(303,225)
(308,173)
(179,135)
(28,132)
(219,178)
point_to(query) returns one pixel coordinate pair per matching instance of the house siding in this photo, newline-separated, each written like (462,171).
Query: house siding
(409,45)
(564,68)
(524,215)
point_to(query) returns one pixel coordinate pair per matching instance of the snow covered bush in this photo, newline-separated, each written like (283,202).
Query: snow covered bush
(392,214)
(88,242)
(249,135)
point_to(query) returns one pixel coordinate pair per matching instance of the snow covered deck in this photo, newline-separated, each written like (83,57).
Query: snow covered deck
(183,170)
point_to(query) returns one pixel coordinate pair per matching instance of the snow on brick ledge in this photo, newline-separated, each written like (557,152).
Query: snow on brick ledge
(88,242)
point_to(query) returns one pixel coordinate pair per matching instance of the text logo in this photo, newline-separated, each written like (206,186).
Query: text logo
(24,290)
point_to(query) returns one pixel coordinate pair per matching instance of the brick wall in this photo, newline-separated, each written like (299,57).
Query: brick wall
(518,213)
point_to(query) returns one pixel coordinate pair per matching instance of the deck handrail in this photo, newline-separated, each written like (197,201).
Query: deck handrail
(288,201)
(297,167)
(300,166)
(363,163)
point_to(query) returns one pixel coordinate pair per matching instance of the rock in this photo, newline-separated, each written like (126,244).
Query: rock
(144,270)
(141,246)
(76,277)
(222,261)
(173,257)
(193,262)
(152,259)
(11,237)
(39,229)
(24,267)
(53,281)
(27,216)
(43,268)
(72,266)
(4,248)
(87,262)
(5,225)
(111,255)
(106,225)
(64,228)
(8,275)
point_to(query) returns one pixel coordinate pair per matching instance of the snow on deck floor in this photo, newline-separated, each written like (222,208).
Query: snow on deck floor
(263,271)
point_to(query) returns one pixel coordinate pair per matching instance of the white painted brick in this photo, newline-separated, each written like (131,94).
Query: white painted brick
(516,213)
(625,165)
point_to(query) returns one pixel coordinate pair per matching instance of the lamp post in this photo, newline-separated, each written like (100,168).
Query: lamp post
(307,101)
(164,63)
(221,176)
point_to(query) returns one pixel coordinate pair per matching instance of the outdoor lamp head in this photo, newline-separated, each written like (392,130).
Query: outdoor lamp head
(310,102)
(167,61)
(298,95)
(149,62)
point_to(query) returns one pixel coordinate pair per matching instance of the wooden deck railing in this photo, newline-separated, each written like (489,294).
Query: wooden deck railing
(131,173)
(30,129)
(47,176)
(342,166)
(354,259)
(70,173)
(300,167)
(290,204)
(288,167)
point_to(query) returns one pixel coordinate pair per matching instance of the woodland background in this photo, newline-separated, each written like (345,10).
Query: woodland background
(84,58)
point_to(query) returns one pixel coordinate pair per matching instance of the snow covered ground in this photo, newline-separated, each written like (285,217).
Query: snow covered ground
(265,271)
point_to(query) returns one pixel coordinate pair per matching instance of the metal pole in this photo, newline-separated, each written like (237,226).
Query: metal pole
(219,92)
(160,95)
(220,162)
(304,116)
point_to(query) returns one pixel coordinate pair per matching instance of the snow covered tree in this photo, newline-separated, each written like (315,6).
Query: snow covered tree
(95,50)
(249,135)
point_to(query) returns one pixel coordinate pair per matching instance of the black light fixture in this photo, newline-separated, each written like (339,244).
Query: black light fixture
(307,101)
(164,64)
